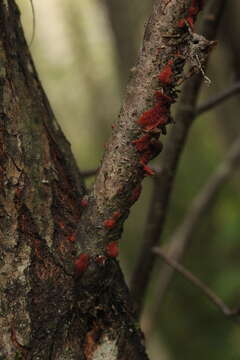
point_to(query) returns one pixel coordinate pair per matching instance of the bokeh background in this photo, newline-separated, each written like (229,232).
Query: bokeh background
(83,51)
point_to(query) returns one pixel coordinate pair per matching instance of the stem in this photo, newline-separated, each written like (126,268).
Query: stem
(195,281)
(185,232)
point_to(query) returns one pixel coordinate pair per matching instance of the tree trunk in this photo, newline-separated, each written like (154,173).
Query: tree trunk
(60,298)
(43,315)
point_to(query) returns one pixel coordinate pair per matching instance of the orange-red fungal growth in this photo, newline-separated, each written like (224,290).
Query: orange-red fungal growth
(193,10)
(84,203)
(61,225)
(136,193)
(112,249)
(163,99)
(152,118)
(81,263)
(116,214)
(158,115)
(166,75)
(110,223)
(188,19)
(71,237)
(142,143)
(147,169)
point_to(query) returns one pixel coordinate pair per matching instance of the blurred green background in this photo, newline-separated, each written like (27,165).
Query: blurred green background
(83,51)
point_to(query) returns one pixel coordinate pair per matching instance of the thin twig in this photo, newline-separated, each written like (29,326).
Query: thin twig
(196,282)
(184,233)
(33,23)
(169,163)
(88,173)
(218,99)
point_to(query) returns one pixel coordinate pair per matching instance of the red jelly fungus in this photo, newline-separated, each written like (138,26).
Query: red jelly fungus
(81,263)
(146,157)
(112,249)
(110,223)
(163,99)
(71,238)
(62,225)
(147,169)
(116,214)
(142,143)
(136,193)
(193,10)
(154,117)
(84,202)
(166,74)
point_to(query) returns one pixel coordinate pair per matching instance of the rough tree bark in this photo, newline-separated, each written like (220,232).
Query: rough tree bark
(63,295)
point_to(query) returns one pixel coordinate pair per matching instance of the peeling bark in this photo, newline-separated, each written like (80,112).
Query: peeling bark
(50,309)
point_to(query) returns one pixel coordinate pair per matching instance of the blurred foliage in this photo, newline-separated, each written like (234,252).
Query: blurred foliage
(83,51)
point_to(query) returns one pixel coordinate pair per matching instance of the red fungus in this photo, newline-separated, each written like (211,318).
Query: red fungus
(162,98)
(142,143)
(136,193)
(116,215)
(112,249)
(181,23)
(154,117)
(166,75)
(71,237)
(81,263)
(193,10)
(158,115)
(110,223)
(147,169)
(84,202)
(61,225)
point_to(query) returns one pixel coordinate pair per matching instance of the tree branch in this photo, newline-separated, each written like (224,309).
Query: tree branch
(144,114)
(88,173)
(169,163)
(184,233)
(218,99)
(196,282)
(209,105)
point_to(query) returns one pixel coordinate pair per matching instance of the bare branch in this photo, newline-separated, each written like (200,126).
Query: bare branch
(218,99)
(196,282)
(184,233)
(88,173)
(169,162)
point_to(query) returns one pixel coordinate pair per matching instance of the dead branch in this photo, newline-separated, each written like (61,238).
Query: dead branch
(219,99)
(185,232)
(197,283)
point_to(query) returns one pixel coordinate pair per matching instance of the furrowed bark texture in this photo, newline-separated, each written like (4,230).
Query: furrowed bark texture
(40,191)
(169,163)
(49,307)
(44,313)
